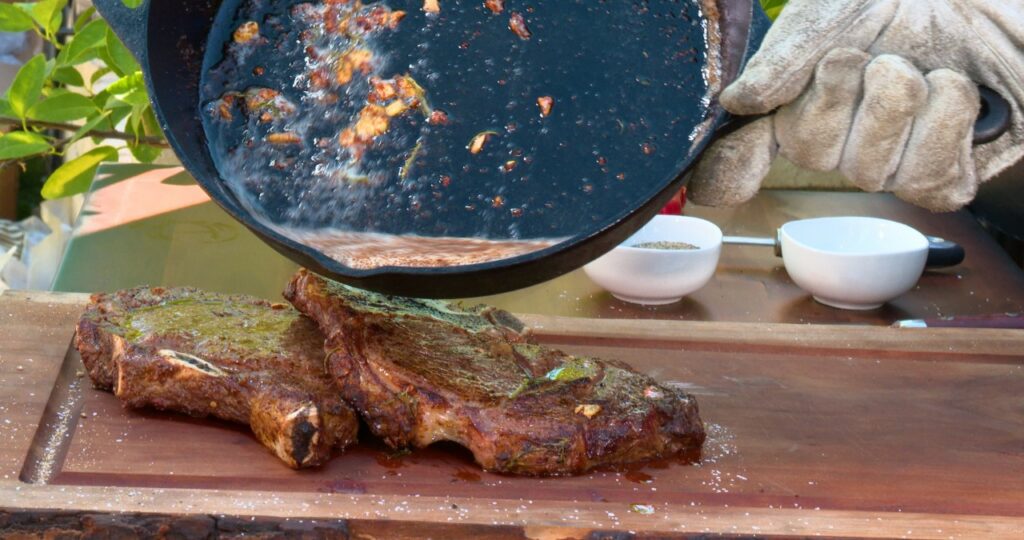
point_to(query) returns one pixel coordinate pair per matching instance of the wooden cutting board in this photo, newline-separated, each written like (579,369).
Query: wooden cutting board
(835,430)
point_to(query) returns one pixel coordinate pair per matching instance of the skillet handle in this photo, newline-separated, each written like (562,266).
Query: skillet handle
(130,24)
(943,253)
(993,121)
(995,117)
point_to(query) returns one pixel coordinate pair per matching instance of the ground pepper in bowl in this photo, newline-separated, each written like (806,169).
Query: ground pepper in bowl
(666,245)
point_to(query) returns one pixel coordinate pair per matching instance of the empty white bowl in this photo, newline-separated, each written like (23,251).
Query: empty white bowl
(853,262)
(660,276)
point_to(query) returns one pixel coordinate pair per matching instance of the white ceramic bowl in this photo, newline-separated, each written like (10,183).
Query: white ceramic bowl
(853,262)
(659,276)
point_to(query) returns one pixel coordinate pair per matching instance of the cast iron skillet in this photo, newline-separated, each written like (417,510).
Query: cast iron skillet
(169,38)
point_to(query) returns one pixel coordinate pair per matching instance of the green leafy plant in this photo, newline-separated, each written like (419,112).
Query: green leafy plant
(773,7)
(54,102)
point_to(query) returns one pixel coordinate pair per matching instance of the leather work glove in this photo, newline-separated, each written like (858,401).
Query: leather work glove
(885,91)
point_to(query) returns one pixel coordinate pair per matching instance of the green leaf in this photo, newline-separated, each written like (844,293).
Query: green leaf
(144,152)
(118,109)
(132,3)
(126,84)
(5,109)
(27,85)
(84,18)
(62,108)
(75,176)
(85,40)
(50,91)
(88,56)
(87,127)
(136,98)
(49,14)
(118,114)
(101,98)
(68,76)
(150,124)
(19,144)
(111,103)
(134,123)
(773,7)
(118,57)
(143,123)
(99,73)
(13,19)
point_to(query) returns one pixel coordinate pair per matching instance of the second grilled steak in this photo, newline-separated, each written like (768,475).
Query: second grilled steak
(232,357)
(422,371)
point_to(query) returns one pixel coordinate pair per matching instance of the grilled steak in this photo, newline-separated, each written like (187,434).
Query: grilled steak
(232,357)
(421,371)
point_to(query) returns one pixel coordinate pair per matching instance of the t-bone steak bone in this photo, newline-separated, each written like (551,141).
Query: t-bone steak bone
(421,371)
(232,357)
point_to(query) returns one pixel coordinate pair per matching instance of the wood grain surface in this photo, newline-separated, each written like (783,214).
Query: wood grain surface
(841,431)
(34,339)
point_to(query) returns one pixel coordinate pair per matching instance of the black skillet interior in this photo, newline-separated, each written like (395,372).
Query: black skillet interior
(170,37)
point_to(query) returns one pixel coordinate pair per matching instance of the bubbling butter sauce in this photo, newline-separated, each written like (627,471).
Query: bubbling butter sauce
(288,108)
(367,251)
(332,125)
(338,127)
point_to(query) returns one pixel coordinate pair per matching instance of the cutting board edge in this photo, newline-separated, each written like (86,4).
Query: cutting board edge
(977,341)
(539,516)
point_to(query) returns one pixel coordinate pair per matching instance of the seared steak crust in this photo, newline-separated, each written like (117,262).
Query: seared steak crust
(421,371)
(232,357)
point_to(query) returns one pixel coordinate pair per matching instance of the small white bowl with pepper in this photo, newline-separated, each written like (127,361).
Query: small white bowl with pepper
(667,259)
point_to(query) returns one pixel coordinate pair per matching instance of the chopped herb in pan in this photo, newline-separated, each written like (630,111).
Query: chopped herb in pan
(247,32)
(496,6)
(545,103)
(476,144)
(517,24)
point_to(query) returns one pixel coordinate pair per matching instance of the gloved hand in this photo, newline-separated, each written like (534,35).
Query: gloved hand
(883,90)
